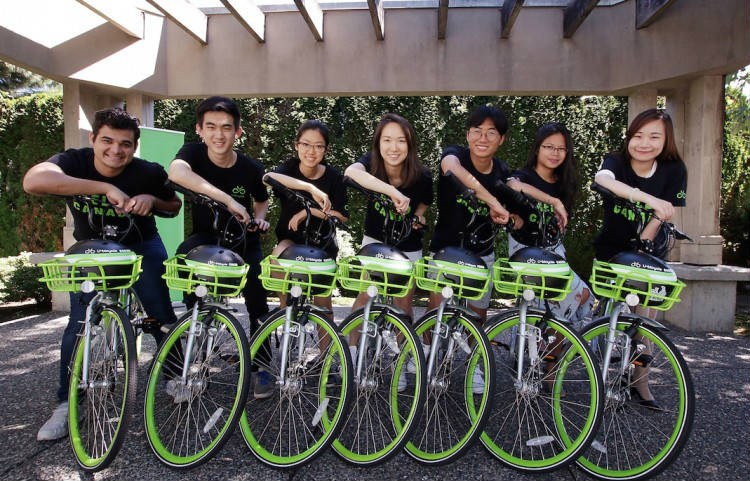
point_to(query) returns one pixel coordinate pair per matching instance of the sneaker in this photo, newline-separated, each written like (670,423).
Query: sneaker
(264,384)
(402,382)
(477,381)
(179,392)
(56,426)
(411,365)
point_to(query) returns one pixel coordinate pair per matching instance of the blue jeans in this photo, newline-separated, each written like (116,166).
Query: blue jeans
(151,289)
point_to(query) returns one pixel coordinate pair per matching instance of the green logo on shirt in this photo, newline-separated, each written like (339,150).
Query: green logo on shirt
(681,194)
(238,191)
(99,204)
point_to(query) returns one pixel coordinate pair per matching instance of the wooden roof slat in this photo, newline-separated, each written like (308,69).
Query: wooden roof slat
(188,17)
(574,15)
(442,18)
(647,11)
(508,15)
(313,15)
(377,14)
(122,15)
(249,16)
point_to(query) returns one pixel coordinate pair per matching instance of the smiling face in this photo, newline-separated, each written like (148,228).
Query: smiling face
(551,155)
(311,148)
(218,132)
(484,140)
(647,142)
(113,150)
(394,146)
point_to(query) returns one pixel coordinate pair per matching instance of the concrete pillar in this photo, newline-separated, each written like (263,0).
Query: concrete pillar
(639,101)
(676,102)
(142,107)
(702,153)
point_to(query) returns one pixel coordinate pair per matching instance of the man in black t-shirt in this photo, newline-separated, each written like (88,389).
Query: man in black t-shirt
(215,169)
(118,182)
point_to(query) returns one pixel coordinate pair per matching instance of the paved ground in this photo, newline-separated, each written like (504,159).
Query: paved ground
(718,449)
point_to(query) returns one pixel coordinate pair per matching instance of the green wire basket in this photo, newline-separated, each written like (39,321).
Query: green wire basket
(392,277)
(548,281)
(108,271)
(221,281)
(656,290)
(315,278)
(468,282)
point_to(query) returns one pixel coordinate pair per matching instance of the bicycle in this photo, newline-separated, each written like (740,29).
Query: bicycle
(638,439)
(459,377)
(548,378)
(103,368)
(388,362)
(302,351)
(199,378)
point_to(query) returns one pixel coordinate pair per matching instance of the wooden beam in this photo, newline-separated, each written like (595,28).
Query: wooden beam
(508,16)
(442,18)
(122,15)
(249,15)
(647,11)
(184,14)
(377,14)
(313,15)
(574,15)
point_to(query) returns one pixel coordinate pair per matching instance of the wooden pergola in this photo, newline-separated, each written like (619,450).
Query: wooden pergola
(106,52)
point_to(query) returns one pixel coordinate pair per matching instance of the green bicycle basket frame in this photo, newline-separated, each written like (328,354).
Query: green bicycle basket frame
(356,273)
(221,281)
(548,281)
(615,281)
(432,275)
(108,271)
(315,278)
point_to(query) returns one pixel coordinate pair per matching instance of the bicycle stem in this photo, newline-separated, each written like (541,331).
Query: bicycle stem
(191,339)
(87,337)
(611,333)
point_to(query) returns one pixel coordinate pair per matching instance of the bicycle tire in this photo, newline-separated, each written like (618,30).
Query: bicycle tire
(99,412)
(187,424)
(552,414)
(303,416)
(635,442)
(383,414)
(453,416)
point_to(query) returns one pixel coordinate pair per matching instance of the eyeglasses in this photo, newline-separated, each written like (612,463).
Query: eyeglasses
(318,148)
(557,150)
(476,133)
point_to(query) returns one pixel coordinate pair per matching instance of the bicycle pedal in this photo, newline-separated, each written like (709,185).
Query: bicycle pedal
(642,360)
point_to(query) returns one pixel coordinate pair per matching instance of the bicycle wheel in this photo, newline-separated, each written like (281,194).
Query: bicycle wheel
(389,391)
(188,421)
(458,388)
(100,408)
(304,413)
(552,409)
(635,442)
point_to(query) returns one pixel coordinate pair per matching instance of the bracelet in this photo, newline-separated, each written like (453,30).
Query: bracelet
(632,191)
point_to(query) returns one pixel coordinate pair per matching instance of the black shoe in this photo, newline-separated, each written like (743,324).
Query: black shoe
(651,404)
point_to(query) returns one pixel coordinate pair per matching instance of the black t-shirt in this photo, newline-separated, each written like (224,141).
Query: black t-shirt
(243,181)
(532,178)
(420,192)
(139,177)
(453,213)
(619,230)
(331,183)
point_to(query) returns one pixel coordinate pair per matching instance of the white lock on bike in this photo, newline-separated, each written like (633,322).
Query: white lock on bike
(632,300)
(528,295)
(447,292)
(87,286)
(295,291)
(201,291)
(372,291)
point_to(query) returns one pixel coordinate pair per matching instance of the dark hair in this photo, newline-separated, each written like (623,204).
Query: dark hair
(566,173)
(412,167)
(312,124)
(669,153)
(484,112)
(116,118)
(218,104)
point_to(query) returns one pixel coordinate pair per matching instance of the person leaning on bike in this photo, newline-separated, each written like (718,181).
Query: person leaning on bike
(121,182)
(213,168)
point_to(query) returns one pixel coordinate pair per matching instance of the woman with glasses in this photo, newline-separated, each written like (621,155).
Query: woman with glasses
(392,168)
(308,172)
(551,168)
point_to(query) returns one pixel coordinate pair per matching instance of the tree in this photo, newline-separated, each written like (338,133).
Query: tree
(16,81)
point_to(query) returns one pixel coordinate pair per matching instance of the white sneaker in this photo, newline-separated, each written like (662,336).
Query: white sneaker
(178,391)
(411,365)
(56,426)
(477,381)
(402,382)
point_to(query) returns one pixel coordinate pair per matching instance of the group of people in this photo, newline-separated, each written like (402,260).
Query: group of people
(648,169)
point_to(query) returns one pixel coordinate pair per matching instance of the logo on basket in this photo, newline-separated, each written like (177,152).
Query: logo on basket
(379,255)
(299,258)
